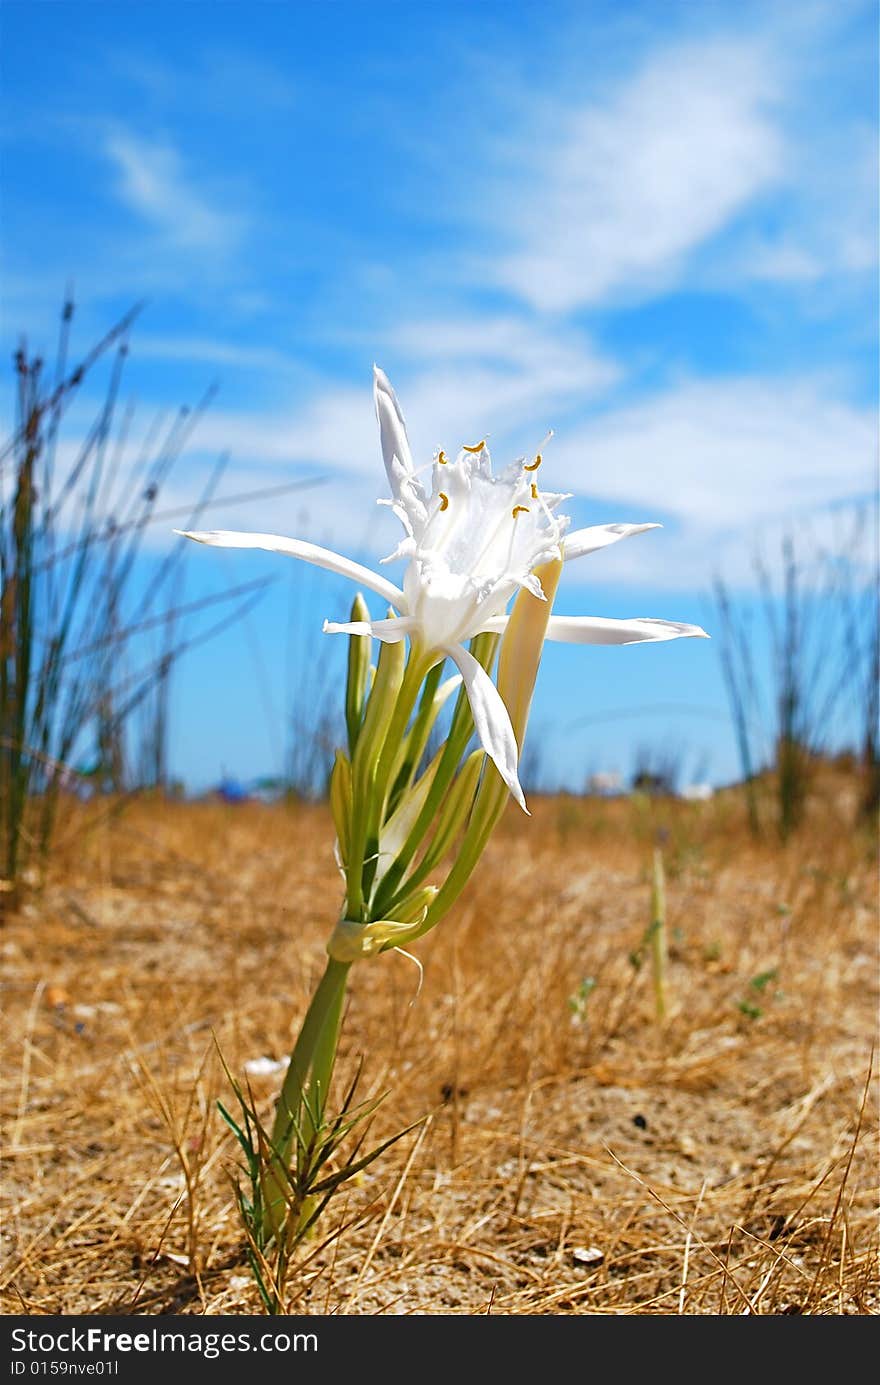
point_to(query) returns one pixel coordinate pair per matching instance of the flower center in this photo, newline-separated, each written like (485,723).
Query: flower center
(476,541)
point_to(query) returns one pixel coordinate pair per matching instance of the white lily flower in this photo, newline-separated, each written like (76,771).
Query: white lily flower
(471,545)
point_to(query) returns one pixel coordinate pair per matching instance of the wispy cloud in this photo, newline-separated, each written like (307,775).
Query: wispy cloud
(726,454)
(827,227)
(685,171)
(719,462)
(458,378)
(212,351)
(153,182)
(217,79)
(624,187)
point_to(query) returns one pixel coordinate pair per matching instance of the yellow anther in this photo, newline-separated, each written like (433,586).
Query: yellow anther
(534,490)
(533,466)
(444,501)
(520,510)
(442,458)
(479,447)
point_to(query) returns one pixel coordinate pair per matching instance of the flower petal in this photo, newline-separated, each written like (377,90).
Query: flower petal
(392,432)
(494,625)
(599,536)
(407,548)
(532,584)
(491,718)
(392,631)
(598,630)
(309,552)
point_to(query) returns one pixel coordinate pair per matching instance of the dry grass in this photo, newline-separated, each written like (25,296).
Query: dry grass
(725,1163)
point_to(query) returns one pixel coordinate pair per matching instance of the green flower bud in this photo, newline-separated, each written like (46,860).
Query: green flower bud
(340,802)
(359,652)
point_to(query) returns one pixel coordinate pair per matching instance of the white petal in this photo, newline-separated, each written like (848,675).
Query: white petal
(599,536)
(396,830)
(598,630)
(405,549)
(392,431)
(309,552)
(495,625)
(491,718)
(391,631)
(533,584)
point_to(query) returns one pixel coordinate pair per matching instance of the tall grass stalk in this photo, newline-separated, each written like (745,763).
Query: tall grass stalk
(657,931)
(791,675)
(77,591)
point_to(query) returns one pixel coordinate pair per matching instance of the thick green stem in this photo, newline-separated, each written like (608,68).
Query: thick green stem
(380,787)
(416,668)
(303,1096)
(371,738)
(518,661)
(483,648)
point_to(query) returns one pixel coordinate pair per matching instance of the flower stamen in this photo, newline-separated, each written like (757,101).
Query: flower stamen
(479,447)
(535,495)
(519,510)
(442,457)
(533,466)
(444,501)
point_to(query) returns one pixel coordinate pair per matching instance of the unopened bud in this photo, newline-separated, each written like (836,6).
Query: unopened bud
(359,651)
(340,802)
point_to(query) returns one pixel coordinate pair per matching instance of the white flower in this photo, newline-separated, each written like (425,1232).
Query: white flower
(471,544)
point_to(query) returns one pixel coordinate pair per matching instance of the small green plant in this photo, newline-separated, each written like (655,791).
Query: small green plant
(763,979)
(758,984)
(749,1009)
(577,1002)
(654,941)
(317,1156)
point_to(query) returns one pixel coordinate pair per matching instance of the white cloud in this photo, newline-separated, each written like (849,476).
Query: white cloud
(556,363)
(622,190)
(725,464)
(824,223)
(211,351)
(154,183)
(732,462)
(503,378)
(782,261)
(726,452)
(720,462)
(495,377)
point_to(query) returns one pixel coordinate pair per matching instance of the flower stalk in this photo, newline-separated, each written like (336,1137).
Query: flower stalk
(658,935)
(456,798)
(473,545)
(299,1114)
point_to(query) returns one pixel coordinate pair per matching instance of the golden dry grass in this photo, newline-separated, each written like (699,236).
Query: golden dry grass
(723,1163)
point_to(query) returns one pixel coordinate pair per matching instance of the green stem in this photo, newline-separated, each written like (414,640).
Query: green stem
(658,935)
(380,785)
(416,668)
(413,744)
(483,648)
(371,738)
(303,1098)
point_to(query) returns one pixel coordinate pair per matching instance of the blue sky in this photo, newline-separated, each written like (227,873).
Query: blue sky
(650,226)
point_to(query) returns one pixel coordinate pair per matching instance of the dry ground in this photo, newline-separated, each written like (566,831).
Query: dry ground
(725,1162)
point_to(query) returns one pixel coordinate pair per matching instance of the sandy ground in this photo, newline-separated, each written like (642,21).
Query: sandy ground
(573,1156)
